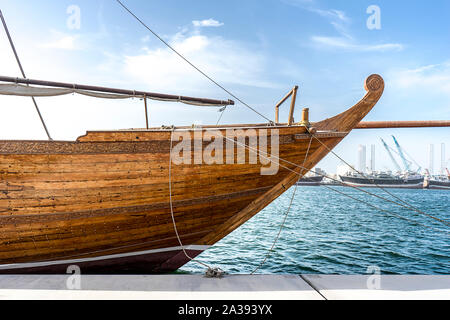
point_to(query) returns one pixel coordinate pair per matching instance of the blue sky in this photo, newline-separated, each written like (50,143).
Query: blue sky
(257,49)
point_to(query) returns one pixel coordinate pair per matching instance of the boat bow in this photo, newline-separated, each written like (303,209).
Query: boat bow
(342,124)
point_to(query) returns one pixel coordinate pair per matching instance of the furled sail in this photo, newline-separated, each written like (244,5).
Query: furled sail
(39,88)
(29,91)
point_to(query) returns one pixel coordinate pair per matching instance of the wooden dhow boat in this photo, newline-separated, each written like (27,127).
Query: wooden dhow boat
(114,202)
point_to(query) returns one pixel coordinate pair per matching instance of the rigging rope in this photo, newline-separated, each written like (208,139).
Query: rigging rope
(190,63)
(301,174)
(318,173)
(405,204)
(222,111)
(23,74)
(211,272)
(355,187)
(217,271)
(380,187)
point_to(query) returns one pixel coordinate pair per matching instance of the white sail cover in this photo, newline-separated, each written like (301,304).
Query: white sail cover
(31,91)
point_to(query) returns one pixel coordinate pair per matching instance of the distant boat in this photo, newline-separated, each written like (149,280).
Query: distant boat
(312,179)
(385,180)
(437,182)
(331,181)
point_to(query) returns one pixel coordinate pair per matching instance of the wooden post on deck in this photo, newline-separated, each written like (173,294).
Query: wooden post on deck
(291,111)
(292,93)
(305,117)
(146,111)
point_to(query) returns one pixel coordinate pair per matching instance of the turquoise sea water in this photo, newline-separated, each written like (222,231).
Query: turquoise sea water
(328,233)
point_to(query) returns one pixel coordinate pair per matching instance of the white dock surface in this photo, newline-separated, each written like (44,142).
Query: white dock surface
(231,287)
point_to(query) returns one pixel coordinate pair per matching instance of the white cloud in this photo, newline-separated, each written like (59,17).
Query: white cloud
(337,18)
(9,65)
(430,78)
(228,61)
(348,44)
(298,3)
(207,23)
(67,117)
(341,23)
(63,41)
(332,14)
(76,41)
(145,39)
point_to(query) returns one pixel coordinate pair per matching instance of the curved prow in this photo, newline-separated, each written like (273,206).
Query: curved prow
(349,119)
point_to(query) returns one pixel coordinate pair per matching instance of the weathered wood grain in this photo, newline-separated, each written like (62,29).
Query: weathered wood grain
(108,192)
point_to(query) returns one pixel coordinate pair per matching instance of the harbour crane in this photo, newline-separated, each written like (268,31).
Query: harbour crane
(418,165)
(391,156)
(402,156)
(402,152)
(409,161)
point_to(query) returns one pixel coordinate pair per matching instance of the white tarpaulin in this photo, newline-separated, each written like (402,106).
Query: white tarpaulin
(30,91)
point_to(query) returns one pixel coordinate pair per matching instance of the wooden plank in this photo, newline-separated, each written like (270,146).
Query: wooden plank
(98,195)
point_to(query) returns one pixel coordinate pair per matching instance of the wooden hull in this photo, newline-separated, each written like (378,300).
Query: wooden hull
(102,202)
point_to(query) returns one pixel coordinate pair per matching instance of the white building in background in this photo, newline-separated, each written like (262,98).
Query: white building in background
(343,169)
(362,162)
(372,158)
(431,163)
(443,163)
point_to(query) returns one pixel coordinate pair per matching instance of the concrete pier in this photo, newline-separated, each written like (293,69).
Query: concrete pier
(231,287)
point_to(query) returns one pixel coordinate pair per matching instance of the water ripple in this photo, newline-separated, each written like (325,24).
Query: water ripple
(329,233)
